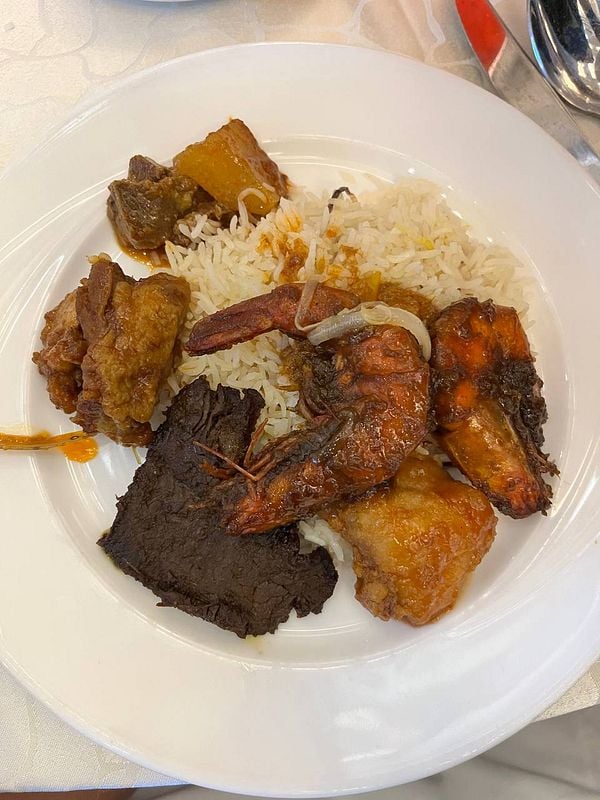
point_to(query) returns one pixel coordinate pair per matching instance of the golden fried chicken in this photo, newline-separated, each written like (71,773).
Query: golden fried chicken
(416,541)
(488,404)
(126,331)
(63,350)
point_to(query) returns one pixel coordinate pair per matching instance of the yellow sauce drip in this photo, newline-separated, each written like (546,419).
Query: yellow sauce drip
(81,450)
(153,259)
(76,446)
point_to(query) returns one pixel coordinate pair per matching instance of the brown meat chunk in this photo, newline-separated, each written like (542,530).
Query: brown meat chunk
(145,216)
(166,533)
(131,328)
(229,161)
(416,541)
(142,168)
(144,212)
(63,350)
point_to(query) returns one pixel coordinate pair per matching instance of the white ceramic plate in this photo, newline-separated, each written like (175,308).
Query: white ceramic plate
(339,702)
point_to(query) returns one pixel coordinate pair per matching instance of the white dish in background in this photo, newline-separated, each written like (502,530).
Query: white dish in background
(338,702)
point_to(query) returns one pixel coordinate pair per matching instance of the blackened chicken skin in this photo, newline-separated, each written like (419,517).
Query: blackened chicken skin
(488,404)
(377,416)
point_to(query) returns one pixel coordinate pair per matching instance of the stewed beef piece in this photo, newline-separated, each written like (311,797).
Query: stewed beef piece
(167,532)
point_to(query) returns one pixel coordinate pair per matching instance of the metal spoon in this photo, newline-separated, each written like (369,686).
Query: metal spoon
(565,36)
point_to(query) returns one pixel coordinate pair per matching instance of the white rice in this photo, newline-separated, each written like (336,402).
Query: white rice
(407,233)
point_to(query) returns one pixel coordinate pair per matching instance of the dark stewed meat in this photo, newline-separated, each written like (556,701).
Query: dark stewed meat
(147,207)
(144,212)
(166,533)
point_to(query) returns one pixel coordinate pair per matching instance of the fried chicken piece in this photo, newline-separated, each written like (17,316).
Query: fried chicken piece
(416,541)
(488,403)
(131,328)
(63,350)
(108,348)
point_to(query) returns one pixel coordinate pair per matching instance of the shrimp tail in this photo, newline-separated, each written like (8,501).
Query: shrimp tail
(273,311)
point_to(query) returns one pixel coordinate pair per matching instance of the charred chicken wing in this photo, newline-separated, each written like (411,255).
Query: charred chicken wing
(378,412)
(488,404)
(415,541)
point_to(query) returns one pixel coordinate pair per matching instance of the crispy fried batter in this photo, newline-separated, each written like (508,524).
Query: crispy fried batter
(488,404)
(416,541)
(131,328)
(63,350)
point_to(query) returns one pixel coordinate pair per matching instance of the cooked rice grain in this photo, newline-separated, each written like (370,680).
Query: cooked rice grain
(405,232)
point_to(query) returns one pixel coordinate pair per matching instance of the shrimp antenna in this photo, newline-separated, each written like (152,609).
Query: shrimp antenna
(228,461)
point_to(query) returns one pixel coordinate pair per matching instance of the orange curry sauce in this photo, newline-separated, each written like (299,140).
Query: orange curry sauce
(153,259)
(77,446)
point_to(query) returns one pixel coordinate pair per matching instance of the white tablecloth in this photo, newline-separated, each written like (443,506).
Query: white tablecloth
(53,53)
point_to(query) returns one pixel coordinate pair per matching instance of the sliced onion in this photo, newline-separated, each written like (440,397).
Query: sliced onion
(251,192)
(308,292)
(336,326)
(371,314)
(382,314)
(243,214)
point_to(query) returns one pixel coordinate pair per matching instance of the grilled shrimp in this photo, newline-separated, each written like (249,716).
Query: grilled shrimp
(275,311)
(488,404)
(377,405)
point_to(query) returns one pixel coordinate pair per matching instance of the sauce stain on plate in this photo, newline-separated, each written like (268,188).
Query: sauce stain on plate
(76,446)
